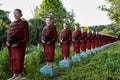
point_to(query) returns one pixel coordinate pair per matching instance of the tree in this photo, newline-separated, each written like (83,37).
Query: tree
(118,34)
(4,22)
(106,31)
(113,10)
(55,10)
(98,27)
(36,26)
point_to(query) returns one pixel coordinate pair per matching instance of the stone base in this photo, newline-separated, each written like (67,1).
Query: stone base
(83,55)
(49,71)
(89,52)
(65,63)
(76,58)
(100,48)
(23,78)
(93,51)
(97,49)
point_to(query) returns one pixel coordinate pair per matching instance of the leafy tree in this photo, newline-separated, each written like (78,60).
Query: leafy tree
(36,26)
(98,27)
(55,10)
(106,31)
(113,10)
(4,22)
(118,34)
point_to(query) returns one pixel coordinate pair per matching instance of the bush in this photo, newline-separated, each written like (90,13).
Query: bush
(118,34)
(2,35)
(35,29)
(4,64)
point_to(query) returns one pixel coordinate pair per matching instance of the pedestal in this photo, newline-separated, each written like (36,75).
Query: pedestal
(49,71)
(89,52)
(83,55)
(102,47)
(93,51)
(65,63)
(97,49)
(23,78)
(76,58)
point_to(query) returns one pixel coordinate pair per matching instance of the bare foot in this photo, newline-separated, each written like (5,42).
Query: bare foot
(12,78)
(77,54)
(19,77)
(65,58)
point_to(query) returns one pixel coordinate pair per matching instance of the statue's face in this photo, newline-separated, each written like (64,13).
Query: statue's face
(17,14)
(96,32)
(82,29)
(48,21)
(92,31)
(65,25)
(76,27)
(88,30)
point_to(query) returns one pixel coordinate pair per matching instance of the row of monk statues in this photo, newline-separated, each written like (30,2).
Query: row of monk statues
(83,41)
(18,36)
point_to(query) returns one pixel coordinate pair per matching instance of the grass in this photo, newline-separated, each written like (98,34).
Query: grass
(103,65)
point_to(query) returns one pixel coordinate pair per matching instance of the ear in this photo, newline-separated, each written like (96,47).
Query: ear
(21,15)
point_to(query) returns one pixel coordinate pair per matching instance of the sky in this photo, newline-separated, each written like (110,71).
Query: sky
(86,11)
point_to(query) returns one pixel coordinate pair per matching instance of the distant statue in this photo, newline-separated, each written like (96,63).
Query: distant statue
(93,40)
(83,39)
(76,40)
(89,37)
(65,40)
(49,37)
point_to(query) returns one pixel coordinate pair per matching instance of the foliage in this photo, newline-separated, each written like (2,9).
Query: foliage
(98,27)
(2,35)
(100,66)
(113,10)
(118,35)
(36,26)
(106,31)
(4,22)
(4,64)
(56,11)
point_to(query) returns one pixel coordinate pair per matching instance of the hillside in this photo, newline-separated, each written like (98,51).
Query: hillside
(101,66)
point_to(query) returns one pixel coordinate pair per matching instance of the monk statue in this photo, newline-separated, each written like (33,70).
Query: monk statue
(17,37)
(49,37)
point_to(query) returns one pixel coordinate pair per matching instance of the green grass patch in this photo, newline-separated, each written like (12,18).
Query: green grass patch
(103,65)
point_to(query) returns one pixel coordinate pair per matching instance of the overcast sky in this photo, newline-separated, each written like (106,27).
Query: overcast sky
(86,11)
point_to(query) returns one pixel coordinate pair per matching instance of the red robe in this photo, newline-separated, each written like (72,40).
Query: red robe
(99,37)
(83,41)
(93,41)
(97,40)
(76,42)
(49,34)
(20,30)
(88,45)
(102,40)
(65,36)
